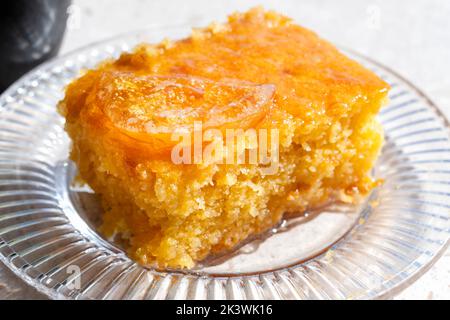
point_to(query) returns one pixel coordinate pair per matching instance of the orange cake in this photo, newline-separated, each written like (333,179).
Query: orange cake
(260,77)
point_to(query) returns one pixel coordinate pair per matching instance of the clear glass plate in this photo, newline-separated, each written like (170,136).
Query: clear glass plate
(48,228)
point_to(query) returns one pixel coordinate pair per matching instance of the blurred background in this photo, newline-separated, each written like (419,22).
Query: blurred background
(411,37)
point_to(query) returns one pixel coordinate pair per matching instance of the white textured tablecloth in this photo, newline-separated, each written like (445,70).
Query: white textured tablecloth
(412,37)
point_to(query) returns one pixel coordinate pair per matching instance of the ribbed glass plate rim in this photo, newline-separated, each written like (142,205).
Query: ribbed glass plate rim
(395,284)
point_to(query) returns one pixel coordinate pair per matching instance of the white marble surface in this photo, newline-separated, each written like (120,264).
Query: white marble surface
(412,37)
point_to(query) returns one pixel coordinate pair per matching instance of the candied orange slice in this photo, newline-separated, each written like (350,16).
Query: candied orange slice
(151,108)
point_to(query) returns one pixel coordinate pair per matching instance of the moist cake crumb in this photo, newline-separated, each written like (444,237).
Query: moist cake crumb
(259,71)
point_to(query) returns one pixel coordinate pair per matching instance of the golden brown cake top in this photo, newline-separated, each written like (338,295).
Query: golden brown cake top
(257,66)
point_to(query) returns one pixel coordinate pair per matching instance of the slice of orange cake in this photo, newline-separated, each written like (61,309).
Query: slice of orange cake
(194,146)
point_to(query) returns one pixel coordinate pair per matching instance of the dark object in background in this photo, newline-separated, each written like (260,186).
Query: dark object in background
(31,32)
